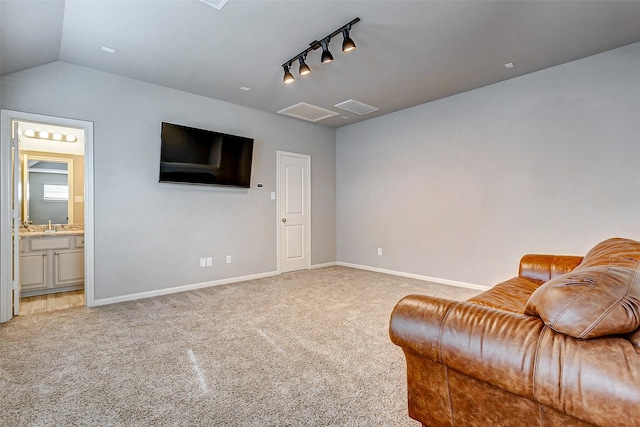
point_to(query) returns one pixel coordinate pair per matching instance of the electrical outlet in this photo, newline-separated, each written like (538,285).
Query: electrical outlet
(379,251)
(209,262)
(203,262)
(228,259)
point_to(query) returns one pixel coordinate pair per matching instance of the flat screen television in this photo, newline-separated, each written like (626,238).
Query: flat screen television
(197,156)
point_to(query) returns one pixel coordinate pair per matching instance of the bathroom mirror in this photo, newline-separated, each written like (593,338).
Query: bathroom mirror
(47,189)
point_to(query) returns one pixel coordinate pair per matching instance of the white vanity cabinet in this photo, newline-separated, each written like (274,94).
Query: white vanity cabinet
(68,267)
(51,264)
(33,271)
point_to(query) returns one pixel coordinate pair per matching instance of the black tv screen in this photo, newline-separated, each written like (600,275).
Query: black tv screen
(197,156)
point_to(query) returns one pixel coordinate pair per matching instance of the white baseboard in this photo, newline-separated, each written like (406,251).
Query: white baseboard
(416,276)
(326,264)
(176,289)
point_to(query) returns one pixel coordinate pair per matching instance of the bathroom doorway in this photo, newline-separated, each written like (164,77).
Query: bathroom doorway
(49,196)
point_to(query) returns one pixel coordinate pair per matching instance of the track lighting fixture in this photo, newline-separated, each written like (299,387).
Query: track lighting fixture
(304,68)
(288,77)
(348,45)
(326,55)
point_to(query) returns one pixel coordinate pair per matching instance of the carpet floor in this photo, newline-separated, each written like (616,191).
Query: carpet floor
(308,348)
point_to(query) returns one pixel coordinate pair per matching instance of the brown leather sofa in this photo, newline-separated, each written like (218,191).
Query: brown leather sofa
(559,345)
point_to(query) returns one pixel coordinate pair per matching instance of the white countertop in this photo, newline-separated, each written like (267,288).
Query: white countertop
(52,234)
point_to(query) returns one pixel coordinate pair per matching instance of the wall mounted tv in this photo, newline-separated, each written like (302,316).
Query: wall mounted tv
(197,156)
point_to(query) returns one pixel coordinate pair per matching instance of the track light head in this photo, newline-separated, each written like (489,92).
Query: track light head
(304,68)
(326,55)
(288,77)
(348,45)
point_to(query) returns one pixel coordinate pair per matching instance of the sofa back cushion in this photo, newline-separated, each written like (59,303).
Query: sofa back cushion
(600,297)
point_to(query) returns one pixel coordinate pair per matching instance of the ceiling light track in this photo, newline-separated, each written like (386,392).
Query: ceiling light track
(348,45)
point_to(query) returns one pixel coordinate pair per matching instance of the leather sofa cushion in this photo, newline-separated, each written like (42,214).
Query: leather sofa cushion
(600,297)
(546,267)
(618,248)
(511,295)
(634,337)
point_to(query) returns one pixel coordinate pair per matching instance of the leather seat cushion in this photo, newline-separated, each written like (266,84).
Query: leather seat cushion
(511,295)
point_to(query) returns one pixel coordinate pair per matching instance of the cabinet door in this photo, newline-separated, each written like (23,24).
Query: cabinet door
(68,268)
(33,271)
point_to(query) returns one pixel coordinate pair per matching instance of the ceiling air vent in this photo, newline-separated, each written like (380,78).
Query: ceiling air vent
(218,4)
(356,107)
(307,112)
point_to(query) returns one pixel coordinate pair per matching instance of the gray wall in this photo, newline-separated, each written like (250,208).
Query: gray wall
(150,236)
(461,188)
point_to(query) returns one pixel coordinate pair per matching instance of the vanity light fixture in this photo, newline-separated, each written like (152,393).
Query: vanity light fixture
(348,45)
(41,134)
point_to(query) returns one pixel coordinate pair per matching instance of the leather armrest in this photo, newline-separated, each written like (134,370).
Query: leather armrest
(491,345)
(416,322)
(546,267)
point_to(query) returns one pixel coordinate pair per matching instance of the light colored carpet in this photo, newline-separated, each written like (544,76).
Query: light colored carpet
(308,348)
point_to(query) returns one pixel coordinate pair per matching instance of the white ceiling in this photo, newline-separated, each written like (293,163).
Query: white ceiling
(409,52)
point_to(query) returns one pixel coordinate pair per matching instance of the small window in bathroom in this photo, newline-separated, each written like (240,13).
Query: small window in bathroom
(56,192)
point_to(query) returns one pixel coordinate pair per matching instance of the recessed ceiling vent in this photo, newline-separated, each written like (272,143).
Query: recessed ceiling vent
(356,107)
(307,112)
(218,4)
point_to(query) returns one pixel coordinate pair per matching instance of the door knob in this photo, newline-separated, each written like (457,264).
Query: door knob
(284,219)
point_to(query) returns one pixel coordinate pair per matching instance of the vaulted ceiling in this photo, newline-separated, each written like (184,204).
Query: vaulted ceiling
(408,52)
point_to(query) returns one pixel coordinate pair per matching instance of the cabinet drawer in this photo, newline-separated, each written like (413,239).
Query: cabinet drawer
(46,243)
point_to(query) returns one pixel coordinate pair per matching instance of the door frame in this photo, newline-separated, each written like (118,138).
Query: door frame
(6,247)
(279,196)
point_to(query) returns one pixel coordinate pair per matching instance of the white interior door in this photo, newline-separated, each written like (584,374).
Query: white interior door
(294,220)
(15,143)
